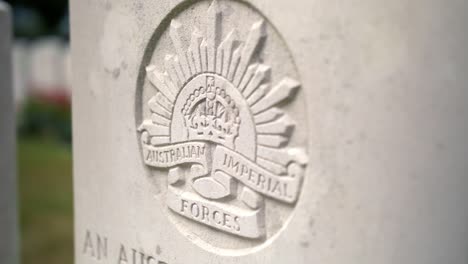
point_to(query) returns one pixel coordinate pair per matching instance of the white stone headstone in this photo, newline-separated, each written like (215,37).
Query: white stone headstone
(21,71)
(67,78)
(8,210)
(47,65)
(270,131)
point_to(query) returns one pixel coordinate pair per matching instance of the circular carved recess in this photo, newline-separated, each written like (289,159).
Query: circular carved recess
(219,127)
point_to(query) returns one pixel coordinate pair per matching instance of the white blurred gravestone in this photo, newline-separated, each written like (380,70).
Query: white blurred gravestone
(8,209)
(270,131)
(47,66)
(20,71)
(67,78)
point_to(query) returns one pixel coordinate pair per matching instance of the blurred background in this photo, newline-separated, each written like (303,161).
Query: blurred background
(41,63)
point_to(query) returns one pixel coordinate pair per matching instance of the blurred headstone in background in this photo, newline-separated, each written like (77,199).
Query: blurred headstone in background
(20,71)
(40,52)
(42,103)
(41,69)
(8,210)
(48,67)
(42,86)
(45,64)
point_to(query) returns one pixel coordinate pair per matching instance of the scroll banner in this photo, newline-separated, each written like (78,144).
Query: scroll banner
(221,216)
(281,187)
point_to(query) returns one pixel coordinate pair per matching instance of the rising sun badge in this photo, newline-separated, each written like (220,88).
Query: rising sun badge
(216,125)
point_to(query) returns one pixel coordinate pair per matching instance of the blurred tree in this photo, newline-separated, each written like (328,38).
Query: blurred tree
(38,17)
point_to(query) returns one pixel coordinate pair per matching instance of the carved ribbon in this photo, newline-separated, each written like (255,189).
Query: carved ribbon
(280,187)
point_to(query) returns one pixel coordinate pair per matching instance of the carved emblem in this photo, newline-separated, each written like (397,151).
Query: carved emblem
(216,126)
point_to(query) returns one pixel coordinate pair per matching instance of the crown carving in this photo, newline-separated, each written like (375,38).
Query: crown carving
(211,114)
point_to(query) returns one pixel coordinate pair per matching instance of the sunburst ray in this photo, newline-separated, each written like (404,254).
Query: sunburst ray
(157,79)
(156,107)
(194,51)
(171,70)
(204,55)
(275,141)
(258,93)
(212,33)
(178,69)
(236,56)
(248,76)
(279,156)
(262,73)
(175,36)
(225,49)
(283,126)
(157,119)
(167,80)
(256,34)
(164,102)
(284,90)
(268,115)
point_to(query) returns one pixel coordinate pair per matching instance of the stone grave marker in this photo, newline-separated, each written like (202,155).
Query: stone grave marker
(21,80)
(8,210)
(47,65)
(269,132)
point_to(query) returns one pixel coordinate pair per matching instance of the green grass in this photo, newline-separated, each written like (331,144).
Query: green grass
(46,205)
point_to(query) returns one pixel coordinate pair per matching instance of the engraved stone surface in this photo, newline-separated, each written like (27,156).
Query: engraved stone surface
(266,131)
(8,210)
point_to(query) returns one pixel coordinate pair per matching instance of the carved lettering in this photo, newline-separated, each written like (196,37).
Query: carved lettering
(229,219)
(278,187)
(135,256)
(95,246)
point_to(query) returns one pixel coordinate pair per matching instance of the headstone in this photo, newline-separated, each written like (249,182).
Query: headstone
(21,70)
(8,211)
(67,78)
(47,66)
(264,131)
